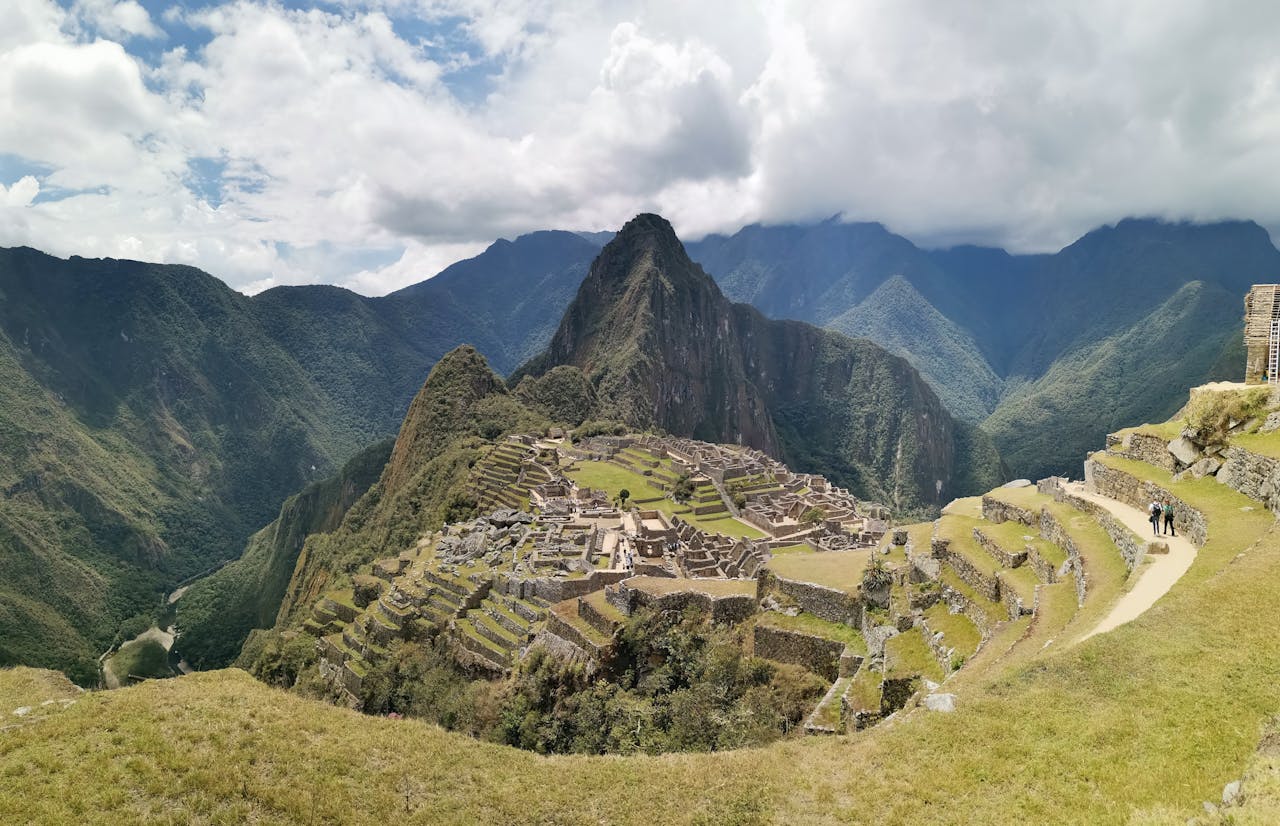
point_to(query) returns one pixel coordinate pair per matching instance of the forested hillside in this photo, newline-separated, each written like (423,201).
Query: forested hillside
(152,419)
(1000,336)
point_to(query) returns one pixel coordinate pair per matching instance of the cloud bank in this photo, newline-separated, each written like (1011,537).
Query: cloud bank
(371,143)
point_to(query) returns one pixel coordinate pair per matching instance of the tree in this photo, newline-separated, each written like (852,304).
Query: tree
(683,490)
(813,516)
(623,496)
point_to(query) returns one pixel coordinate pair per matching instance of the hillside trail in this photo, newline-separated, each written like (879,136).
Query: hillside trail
(1155,576)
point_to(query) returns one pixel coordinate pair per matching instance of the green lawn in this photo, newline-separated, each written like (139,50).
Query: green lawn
(907,655)
(835,569)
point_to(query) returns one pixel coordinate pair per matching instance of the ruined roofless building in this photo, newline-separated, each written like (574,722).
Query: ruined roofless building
(1262,332)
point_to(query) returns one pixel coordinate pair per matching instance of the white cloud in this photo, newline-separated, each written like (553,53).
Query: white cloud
(20,193)
(120,19)
(344,136)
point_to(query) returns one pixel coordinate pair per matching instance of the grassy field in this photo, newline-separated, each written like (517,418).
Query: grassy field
(835,569)
(1137,725)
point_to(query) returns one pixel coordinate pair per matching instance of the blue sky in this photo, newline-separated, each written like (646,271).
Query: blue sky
(370,143)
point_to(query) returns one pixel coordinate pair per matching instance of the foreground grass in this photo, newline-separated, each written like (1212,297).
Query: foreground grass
(1144,721)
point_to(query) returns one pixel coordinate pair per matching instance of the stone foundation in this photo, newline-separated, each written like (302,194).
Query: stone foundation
(995,510)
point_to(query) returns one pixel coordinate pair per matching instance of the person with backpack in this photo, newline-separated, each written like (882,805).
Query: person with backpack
(1168,518)
(1153,516)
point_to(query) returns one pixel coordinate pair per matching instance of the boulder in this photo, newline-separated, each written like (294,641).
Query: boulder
(1271,424)
(1230,792)
(1017,483)
(945,703)
(1205,467)
(1185,450)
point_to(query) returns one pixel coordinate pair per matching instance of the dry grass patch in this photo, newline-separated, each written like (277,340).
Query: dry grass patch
(836,569)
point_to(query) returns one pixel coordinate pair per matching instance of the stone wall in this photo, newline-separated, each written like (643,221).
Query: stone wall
(1132,548)
(588,613)
(1255,476)
(818,654)
(1154,450)
(830,604)
(1006,558)
(1054,531)
(1044,568)
(988,586)
(1124,487)
(567,632)
(995,510)
(961,604)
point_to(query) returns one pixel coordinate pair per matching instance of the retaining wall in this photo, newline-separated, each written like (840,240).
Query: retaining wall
(818,654)
(1127,488)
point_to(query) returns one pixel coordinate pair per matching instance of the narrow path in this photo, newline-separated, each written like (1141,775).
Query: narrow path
(1155,577)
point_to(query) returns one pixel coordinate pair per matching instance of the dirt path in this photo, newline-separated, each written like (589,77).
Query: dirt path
(1155,577)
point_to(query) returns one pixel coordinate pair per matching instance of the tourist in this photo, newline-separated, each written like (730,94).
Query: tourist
(1168,518)
(1153,516)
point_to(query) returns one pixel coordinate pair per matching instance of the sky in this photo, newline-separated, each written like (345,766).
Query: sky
(370,143)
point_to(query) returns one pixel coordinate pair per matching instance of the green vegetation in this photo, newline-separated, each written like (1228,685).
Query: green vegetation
(142,658)
(958,630)
(907,655)
(1211,415)
(1200,647)
(218,612)
(614,479)
(1046,425)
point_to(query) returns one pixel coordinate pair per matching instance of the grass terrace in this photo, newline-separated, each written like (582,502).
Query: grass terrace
(809,624)
(907,655)
(609,477)
(835,569)
(798,548)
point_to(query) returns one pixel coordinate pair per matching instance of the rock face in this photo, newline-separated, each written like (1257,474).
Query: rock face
(663,347)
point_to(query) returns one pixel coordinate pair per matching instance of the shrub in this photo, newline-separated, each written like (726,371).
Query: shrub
(1212,414)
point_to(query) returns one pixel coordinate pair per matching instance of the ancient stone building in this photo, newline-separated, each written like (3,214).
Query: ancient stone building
(1261,328)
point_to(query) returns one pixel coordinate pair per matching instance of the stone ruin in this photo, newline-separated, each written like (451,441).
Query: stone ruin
(1262,333)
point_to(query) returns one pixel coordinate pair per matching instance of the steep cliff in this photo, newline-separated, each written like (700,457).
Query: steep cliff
(462,404)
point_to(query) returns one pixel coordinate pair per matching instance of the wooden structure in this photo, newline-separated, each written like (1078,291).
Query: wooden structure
(1262,332)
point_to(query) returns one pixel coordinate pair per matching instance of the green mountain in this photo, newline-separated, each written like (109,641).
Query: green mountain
(989,329)
(897,317)
(663,347)
(461,406)
(152,419)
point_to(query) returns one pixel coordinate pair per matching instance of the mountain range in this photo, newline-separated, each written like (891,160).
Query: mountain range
(152,419)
